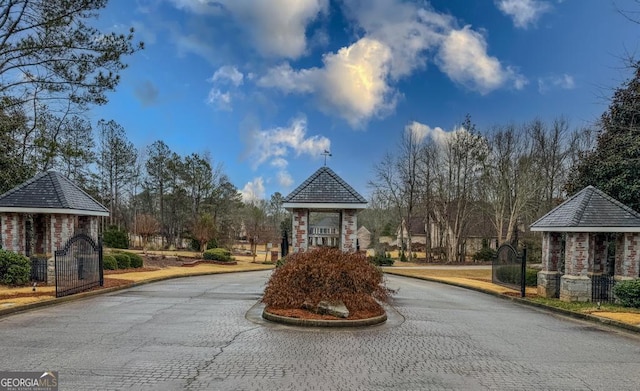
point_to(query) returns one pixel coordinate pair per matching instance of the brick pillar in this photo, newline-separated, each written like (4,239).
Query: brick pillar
(300,230)
(61,229)
(575,284)
(597,253)
(549,277)
(13,232)
(348,230)
(628,256)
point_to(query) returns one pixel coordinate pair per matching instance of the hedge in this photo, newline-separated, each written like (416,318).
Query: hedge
(123,260)
(628,293)
(15,269)
(109,262)
(218,254)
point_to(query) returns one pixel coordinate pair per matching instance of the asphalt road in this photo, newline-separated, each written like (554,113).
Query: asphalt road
(205,333)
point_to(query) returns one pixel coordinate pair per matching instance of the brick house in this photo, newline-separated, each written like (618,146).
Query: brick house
(40,215)
(589,235)
(325,192)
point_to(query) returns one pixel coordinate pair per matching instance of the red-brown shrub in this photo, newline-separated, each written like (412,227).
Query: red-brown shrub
(326,274)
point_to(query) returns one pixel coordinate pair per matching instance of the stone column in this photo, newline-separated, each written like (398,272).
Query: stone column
(348,230)
(575,284)
(628,256)
(549,276)
(300,230)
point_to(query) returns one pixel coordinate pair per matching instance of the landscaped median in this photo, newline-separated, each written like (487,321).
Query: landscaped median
(15,299)
(480,280)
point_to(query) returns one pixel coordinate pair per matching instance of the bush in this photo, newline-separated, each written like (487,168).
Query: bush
(136,260)
(628,293)
(281,262)
(123,260)
(15,269)
(403,257)
(531,278)
(218,254)
(326,274)
(381,259)
(109,262)
(486,254)
(115,238)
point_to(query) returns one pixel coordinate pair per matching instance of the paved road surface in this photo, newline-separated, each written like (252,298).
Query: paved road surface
(204,333)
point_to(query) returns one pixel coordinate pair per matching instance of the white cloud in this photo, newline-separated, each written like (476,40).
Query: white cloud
(422,131)
(352,83)
(275,144)
(523,12)
(229,77)
(564,82)
(279,163)
(229,74)
(356,83)
(253,191)
(276,27)
(463,57)
(284,179)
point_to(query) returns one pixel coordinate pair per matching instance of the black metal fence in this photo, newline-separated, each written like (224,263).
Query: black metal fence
(78,266)
(38,269)
(602,288)
(508,268)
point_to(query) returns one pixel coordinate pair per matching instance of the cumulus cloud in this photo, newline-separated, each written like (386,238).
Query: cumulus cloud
(146,92)
(524,13)
(421,131)
(276,144)
(352,83)
(276,28)
(356,83)
(564,82)
(284,179)
(229,78)
(229,74)
(463,57)
(253,191)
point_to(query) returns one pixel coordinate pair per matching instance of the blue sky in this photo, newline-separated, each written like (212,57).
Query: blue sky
(266,86)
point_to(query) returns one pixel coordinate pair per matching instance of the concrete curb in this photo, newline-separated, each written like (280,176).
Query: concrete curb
(324,323)
(84,295)
(561,311)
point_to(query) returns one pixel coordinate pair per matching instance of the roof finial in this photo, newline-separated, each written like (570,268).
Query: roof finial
(325,154)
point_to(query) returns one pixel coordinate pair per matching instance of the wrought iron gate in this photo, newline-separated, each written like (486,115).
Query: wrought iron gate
(602,288)
(78,265)
(509,267)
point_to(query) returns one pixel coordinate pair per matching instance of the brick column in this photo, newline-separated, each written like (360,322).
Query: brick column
(575,284)
(549,277)
(597,253)
(13,234)
(61,230)
(300,230)
(628,256)
(348,230)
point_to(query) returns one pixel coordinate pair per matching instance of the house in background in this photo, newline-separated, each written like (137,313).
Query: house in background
(326,232)
(479,233)
(364,238)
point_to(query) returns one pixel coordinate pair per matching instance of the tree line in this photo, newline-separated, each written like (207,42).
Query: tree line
(504,177)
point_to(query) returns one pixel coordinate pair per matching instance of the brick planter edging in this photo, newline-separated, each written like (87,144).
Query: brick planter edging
(199,261)
(324,323)
(571,314)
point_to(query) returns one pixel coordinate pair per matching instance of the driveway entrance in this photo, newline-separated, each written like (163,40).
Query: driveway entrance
(195,334)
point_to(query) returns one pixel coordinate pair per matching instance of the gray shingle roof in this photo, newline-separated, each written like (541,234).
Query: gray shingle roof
(325,186)
(50,191)
(589,210)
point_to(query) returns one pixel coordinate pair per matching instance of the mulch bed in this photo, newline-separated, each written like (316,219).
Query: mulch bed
(299,313)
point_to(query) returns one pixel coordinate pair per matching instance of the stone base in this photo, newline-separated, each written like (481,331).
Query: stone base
(51,271)
(575,288)
(548,284)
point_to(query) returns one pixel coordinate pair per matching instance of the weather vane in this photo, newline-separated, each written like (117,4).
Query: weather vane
(325,154)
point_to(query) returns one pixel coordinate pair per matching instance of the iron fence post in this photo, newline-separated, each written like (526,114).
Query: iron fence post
(523,272)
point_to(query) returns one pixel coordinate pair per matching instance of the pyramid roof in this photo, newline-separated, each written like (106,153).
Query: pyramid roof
(50,192)
(589,210)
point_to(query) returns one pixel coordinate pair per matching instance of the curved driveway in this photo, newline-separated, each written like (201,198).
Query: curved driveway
(202,333)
